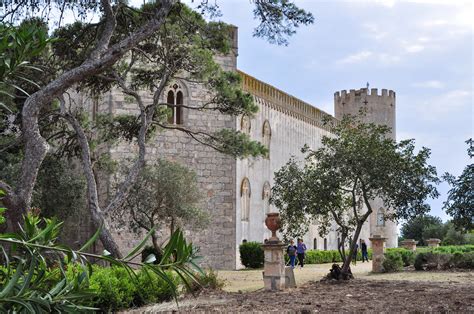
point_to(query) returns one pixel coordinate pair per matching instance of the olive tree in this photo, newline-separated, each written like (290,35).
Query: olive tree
(166,196)
(337,182)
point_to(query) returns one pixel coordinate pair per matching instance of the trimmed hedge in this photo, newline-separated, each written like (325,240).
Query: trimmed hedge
(408,256)
(251,254)
(328,256)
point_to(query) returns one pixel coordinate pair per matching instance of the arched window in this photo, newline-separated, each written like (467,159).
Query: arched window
(245,124)
(325,244)
(245,199)
(174,100)
(267,134)
(315,243)
(266,193)
(380,217)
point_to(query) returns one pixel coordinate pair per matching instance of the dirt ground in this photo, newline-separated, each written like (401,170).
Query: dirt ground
(408,291)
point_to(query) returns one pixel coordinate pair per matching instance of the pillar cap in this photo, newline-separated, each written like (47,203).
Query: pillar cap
(377,237)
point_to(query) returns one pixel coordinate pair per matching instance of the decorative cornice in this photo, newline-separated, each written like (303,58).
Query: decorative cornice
(285,103)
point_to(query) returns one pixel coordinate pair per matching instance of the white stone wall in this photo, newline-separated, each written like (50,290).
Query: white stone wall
(288,135)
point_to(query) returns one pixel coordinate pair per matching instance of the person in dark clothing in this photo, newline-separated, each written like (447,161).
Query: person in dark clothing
(291,251)
(354,256)
(301,250)
(363,248)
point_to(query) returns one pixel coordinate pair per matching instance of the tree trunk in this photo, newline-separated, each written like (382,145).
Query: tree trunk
(347,262)
(36,147)
(154,239)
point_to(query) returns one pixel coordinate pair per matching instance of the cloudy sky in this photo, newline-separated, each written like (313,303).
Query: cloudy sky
(421,49)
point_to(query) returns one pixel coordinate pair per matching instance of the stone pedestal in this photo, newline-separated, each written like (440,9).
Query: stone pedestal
(378,249)
(290,281)
(274,267)
(409,244)
(433,242)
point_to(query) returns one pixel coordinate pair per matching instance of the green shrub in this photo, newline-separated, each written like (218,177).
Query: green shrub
(209,280)
(393,262)
(251,254)
(463,260)
(152,289)
(113,288)
(408,256)
(328,256)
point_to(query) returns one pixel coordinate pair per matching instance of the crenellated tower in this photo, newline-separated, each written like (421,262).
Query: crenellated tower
(381,110)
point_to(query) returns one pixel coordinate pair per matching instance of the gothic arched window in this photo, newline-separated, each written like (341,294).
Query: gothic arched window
(267,134)
(380,217)
(245,124)
(245,199)
(174,100)
(325,244)
(266,193)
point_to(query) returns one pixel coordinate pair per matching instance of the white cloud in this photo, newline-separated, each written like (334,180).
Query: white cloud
(438,106)
(356,57)
(374,31)
(429,84)
(414,48)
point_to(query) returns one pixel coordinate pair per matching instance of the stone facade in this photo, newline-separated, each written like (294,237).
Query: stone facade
(236,191)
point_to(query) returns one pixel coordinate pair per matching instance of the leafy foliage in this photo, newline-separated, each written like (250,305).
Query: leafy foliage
(338,181)
(18,45)
(35,278)
(425,227)
(251,254)
(393,262)
(165,195)
(460,202)
(279,20)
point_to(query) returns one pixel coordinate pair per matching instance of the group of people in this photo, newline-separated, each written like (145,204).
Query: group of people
(298,251)
(295,251)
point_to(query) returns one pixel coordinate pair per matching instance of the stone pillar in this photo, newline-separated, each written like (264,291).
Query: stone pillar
(409,244)
(378,248)
(274,267)
(433,242)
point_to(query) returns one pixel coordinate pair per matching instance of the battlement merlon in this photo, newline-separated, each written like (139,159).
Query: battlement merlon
(286,102)
(364,92)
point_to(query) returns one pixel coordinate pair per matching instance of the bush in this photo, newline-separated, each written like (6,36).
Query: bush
(152,289)
(208,280)
(113,288)
(408,256)
(251,254)
(463,260)
(393,262)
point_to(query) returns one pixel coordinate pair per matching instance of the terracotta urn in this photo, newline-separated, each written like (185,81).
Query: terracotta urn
(273,223)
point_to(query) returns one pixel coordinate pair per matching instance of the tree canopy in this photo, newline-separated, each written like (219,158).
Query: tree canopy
(129,49)
(337,182)
(165,197)
(460,201)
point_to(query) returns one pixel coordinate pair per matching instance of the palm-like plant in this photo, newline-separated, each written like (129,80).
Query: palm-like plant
(34,276)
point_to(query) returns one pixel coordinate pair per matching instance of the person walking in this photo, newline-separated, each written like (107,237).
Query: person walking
(354,256)
(301,250)
(291,251)
(363,248)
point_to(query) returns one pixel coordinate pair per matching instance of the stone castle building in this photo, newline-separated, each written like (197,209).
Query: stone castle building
(236,192)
